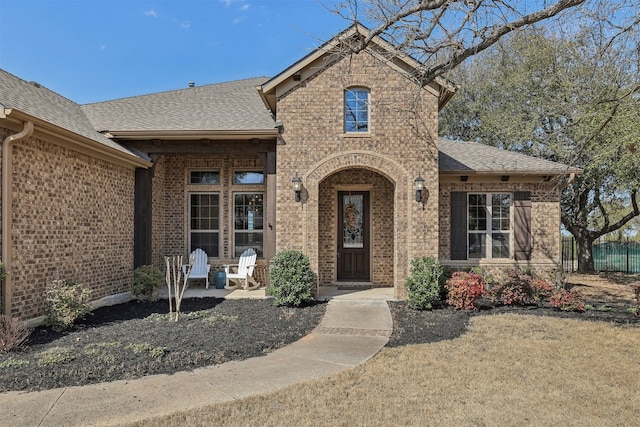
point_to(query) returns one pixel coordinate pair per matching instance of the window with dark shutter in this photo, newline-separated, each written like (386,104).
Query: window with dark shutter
(458,225)
(522,225)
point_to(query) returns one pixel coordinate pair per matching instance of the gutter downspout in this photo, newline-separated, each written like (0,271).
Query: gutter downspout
(7,211)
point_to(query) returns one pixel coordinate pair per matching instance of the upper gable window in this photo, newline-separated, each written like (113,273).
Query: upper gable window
(356,110)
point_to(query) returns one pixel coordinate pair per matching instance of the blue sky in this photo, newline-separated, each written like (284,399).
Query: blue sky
(96,50)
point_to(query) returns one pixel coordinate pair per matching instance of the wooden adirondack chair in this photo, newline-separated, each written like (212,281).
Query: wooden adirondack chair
(244,271)
(200,268)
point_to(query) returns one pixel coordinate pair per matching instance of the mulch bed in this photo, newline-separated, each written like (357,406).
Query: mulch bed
(135,339)
(421,327)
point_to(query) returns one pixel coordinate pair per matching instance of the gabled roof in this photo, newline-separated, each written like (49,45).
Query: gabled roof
(198,112)
(379,47)
(35,101)
(469,158)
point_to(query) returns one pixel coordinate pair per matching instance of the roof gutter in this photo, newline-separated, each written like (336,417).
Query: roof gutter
(191,134)
(7,211)
(75,142)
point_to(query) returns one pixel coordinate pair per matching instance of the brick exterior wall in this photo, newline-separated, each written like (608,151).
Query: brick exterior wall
(170,216)
(545,223)
(399,146)
(72,219)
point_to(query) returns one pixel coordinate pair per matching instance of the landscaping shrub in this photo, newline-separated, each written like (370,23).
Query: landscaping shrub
(425,285)
(13,333)
(65,302)
(565,300)
(542,289)
(517,289)
(464,289)
(146,280)
(291,278)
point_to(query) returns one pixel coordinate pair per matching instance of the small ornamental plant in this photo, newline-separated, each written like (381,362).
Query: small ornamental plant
(291,279)
(568,300)
(464,290)
(542,289)
(13,333)
(146,280)
(65,302)
(517,289)
(425,285)
(636,294)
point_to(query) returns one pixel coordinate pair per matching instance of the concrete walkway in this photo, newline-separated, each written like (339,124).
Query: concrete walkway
(355,327)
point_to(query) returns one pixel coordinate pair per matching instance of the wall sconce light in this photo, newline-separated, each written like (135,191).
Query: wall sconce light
(418,184)
(297,186)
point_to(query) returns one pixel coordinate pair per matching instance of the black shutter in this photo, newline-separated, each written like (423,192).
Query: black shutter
(522,225)
(458,225)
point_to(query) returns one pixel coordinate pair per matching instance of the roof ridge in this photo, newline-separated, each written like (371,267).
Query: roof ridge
(37,85)
(174,90)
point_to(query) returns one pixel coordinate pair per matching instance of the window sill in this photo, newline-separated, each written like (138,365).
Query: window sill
(356,135)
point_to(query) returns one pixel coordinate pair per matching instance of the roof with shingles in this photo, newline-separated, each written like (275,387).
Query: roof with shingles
(46,105)
(473,157)
(233,105)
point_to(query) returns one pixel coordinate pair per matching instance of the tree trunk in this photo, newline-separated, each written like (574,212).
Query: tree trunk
(585,254)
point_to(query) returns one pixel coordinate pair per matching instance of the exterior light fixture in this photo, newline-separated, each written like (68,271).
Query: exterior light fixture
(418,184)
(297,186)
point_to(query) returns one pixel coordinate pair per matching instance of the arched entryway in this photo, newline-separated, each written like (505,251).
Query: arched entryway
(356,220)
(388,187)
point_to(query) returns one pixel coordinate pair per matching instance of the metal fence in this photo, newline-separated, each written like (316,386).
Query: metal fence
(616,255)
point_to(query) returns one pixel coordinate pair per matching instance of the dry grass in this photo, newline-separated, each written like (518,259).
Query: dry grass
(507,370)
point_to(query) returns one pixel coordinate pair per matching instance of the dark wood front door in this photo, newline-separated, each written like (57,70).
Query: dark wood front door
(353,236)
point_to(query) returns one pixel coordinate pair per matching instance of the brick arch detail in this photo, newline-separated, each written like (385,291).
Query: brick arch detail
(382,165)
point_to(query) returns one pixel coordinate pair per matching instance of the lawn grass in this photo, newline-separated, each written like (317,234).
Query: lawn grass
(506,370)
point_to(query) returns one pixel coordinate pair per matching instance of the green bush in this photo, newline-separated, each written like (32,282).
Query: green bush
(146,279)
(291,278)
(425,285)
(65,302)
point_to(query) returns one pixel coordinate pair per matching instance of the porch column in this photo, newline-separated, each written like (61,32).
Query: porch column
(142,211)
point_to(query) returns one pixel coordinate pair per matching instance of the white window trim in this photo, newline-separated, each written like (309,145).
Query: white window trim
(488,232)
(344,113)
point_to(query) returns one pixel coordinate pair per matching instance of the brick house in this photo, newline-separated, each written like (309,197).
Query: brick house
(91,191)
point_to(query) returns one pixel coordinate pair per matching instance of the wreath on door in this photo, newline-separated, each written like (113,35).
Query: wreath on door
(351,218)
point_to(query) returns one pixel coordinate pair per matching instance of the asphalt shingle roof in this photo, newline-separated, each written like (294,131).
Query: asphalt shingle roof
(473,157)
(46,105)
(233,105)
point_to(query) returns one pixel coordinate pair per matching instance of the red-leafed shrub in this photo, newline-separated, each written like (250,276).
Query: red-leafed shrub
(565,300)
(516,290)
(464,290)
(542,289)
